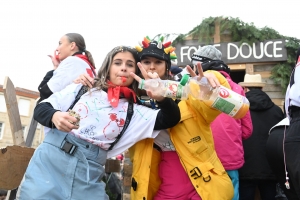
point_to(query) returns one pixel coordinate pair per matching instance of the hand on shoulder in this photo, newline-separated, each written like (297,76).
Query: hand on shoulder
(85,80)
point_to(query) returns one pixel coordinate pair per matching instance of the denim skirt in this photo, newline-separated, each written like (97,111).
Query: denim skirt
(64,167)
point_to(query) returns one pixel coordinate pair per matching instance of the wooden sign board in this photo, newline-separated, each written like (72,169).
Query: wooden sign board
(13,163)
(235,52)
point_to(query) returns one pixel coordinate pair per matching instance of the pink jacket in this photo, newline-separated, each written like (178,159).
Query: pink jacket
(229,132)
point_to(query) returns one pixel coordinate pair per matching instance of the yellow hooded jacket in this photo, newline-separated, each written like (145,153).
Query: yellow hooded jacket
(194,145)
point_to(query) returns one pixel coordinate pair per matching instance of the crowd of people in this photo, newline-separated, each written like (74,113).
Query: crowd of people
(180,149)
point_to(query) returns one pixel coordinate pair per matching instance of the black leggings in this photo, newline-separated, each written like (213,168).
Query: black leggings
(292,149)
(274,150)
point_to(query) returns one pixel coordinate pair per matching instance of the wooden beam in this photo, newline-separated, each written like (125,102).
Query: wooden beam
(235,67)
(31,130)
(217,38)
(278,102)
(264,74)
(13,112)
(249,69)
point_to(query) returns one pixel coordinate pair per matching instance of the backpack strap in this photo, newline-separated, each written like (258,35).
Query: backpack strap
(127,121)
(82,91)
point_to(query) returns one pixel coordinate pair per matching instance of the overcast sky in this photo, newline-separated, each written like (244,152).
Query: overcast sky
(31,29)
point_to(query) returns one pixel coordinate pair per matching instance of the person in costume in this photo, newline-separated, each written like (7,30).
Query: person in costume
(180,162)
(104,122)
(228,132)
(70,59)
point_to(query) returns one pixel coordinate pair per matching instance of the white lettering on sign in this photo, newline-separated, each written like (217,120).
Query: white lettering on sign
(275,49)
(228,51)
(261,52)
(266,46)
(188,53)
(182,54)
(235,52)
(250,50)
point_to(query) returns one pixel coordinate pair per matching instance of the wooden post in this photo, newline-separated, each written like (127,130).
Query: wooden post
(13,112)
(249,69)
(31,131)
(13,160)
(217,37)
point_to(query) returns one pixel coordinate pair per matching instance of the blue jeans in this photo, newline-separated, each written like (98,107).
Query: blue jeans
(267,189)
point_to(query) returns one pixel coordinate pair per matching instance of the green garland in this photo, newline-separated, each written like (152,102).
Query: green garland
(244,32)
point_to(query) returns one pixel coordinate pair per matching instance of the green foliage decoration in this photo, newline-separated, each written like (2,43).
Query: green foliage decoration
(180,38)
(244,32)
(281,75)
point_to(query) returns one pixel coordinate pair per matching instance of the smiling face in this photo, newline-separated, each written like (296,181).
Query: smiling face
(122,64)
(152,64)
(66,48)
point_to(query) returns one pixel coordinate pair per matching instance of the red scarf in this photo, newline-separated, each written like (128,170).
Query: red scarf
(113,93)
(91,71)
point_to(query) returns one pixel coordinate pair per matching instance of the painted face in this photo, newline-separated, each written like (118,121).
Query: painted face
(123,63)
(65,48)
(152,64)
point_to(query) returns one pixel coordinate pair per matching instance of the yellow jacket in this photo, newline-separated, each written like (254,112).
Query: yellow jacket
(194,145)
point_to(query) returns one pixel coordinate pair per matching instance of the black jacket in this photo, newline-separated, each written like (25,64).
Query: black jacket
(264,114)
(43,88)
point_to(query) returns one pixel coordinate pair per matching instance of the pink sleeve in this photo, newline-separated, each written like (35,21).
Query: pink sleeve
(247,127)
(246,121)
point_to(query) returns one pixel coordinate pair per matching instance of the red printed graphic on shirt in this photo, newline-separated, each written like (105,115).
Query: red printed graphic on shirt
(112,129)
(82,110)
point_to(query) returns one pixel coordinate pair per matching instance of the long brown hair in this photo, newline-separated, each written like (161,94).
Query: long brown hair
(103,73)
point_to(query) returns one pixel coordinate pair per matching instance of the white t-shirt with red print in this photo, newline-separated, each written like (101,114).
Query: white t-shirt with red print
(100,123)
